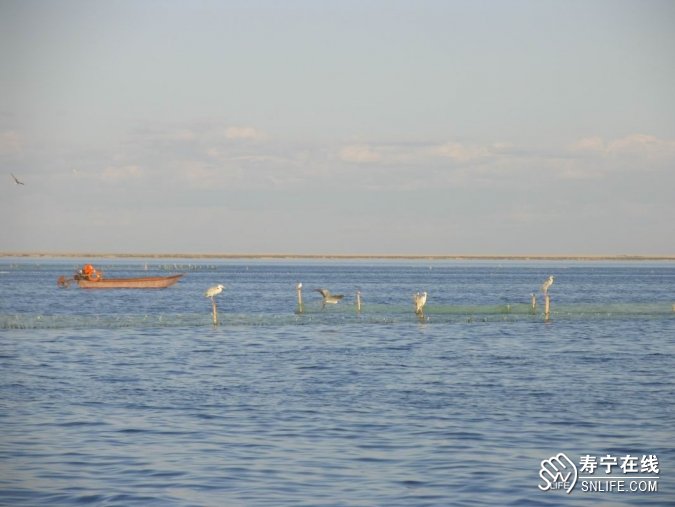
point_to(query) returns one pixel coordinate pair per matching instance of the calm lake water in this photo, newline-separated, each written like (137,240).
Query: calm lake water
(133,397)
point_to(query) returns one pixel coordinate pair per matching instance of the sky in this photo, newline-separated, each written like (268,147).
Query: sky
(527,127)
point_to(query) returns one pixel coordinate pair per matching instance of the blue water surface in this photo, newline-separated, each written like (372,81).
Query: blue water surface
(134,397)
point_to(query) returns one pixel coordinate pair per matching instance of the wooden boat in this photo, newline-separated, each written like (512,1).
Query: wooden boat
(150,282)
(89,278)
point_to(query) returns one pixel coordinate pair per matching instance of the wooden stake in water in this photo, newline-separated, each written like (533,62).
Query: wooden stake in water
(358,301)
(215,312)
(299,289)
(547,307)
(533,304)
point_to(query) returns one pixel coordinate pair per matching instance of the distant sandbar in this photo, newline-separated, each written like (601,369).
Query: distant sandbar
(291,256)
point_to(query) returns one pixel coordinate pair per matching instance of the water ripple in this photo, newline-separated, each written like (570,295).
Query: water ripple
(123,399)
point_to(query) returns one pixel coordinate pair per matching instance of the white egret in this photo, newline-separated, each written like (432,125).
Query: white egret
(420,301)
(211,292)
(547,284)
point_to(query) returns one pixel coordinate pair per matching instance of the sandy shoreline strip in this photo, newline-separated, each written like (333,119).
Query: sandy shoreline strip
(291,256)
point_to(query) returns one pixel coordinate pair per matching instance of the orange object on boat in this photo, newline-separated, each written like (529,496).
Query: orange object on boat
(89,273)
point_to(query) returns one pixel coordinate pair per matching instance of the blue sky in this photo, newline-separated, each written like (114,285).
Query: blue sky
(369,127)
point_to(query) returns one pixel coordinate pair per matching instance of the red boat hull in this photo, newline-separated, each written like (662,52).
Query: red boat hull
(152,282)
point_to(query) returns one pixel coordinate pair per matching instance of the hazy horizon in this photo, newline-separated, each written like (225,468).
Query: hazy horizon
(92,255)
(355,128)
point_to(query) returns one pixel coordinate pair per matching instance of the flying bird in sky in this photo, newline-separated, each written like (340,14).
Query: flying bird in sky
(16,180)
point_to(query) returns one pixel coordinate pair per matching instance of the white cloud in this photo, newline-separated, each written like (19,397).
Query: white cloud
(247,133)
(184,135)
(199,175)
(122,173)
(10,142)
(597,158)
(421,154)
(460,152)
(574,170)
(637,145)
(214,152)
(359,153)
(589,144)
(642,145)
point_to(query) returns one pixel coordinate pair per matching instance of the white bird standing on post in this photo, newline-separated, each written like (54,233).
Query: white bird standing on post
(420,301)
(211,292)
(546,285)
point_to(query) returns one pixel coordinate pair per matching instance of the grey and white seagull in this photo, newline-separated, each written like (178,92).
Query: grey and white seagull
(329,298)
(16,180)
